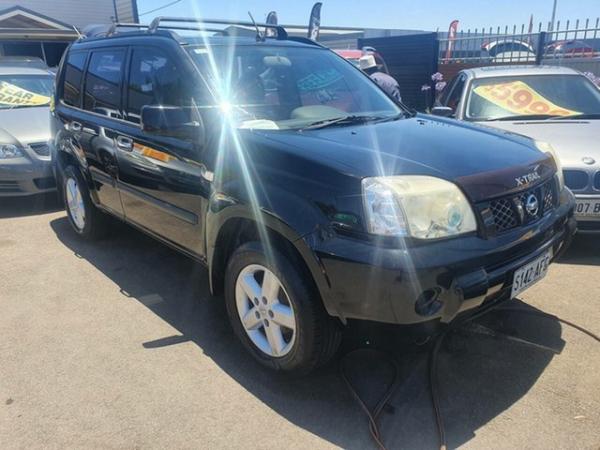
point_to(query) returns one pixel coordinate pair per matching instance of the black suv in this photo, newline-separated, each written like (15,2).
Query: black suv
(310,195)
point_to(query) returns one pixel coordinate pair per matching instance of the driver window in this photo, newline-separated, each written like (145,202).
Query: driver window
(153,80)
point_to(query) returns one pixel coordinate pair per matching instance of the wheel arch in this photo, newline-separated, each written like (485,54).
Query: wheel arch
(240,227)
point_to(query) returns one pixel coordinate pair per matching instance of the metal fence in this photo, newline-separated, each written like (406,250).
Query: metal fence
(520,45)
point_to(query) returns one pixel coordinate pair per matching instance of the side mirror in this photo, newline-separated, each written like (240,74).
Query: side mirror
(442,111)
(171,121)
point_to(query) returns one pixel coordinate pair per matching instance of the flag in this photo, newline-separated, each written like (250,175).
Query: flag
(451,38)
(314,22)
(271,20)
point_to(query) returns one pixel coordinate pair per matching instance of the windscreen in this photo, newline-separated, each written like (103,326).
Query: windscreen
(502,98)
(22,91)
(276,87)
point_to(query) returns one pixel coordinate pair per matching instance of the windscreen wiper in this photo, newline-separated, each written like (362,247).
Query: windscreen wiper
(579,116)
(522,117)
(345,120)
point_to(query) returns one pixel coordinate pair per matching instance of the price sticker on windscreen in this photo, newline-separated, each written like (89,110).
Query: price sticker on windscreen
(519,98)
(14,95)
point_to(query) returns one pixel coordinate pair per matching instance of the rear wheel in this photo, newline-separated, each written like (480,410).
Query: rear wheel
(84,217)
(277,313)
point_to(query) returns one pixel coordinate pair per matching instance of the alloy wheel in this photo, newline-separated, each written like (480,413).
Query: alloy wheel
(265,310)
(75,203)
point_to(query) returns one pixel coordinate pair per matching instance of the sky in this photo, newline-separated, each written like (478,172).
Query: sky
(399,14)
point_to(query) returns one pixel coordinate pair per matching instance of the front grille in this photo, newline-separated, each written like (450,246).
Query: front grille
(576,179)
(507,213)
(504,215)
(9,186)
(41,148)
(597,180)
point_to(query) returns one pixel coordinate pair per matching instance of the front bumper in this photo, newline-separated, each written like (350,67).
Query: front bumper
(436,280)
(587,224)
(26,176)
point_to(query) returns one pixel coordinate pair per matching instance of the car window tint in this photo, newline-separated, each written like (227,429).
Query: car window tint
(102,82)
(73,76)
(153,80)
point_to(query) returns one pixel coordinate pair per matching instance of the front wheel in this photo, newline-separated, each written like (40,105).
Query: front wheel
(277,313)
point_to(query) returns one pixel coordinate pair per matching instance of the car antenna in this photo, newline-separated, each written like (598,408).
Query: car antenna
(259,36)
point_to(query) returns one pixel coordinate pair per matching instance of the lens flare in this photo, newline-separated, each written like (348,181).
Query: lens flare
(230,146)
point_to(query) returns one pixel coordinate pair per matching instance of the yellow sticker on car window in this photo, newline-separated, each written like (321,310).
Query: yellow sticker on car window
(519,98)
(14,95)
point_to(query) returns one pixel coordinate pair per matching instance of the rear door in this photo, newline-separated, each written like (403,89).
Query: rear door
(99,121)
(161,178)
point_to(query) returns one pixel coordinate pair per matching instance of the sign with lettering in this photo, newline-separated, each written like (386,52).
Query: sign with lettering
(519,98)
(14,95)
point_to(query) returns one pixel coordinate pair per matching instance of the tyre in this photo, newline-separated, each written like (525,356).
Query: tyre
(85,219)
(277,313)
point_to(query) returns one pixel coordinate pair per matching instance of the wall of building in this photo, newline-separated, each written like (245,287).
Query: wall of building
(77,12)
(127,10)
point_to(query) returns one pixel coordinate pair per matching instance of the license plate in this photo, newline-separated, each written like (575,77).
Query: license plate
(530,273)
(588,208)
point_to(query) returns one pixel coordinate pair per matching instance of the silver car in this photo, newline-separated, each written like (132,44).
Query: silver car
(25,93)
(557,106)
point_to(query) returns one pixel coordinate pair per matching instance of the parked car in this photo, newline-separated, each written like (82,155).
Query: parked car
(354,55)
(508,51)
(555,104)
(311,197)
(25,94)
(569,49)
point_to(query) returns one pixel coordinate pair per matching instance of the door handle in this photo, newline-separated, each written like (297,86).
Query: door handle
(75,126)
(124,143)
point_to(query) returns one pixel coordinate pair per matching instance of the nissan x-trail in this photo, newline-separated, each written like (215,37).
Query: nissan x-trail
(311,197)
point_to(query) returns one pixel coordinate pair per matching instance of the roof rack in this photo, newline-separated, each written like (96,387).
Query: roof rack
(156,24)
(113,28)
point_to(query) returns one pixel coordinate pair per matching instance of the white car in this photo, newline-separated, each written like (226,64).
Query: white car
(555,105)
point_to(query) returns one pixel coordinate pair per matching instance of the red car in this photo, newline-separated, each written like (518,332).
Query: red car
(354,55)
(570,49)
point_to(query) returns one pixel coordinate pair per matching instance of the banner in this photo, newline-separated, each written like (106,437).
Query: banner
(451,38)
(14,95)
(271,20)
(314,23)
(519,98)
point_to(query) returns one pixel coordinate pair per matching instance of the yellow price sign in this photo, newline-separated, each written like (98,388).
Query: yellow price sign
(519,98)
(14,95)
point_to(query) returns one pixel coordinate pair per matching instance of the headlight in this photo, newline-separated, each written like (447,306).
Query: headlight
(419,206)
(9,151)
(547,148)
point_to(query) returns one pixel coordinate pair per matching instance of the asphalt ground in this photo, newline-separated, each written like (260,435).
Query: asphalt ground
(118,344)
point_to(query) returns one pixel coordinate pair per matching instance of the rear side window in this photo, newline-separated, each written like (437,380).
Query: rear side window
(103,82)
(153,80)
(73,77)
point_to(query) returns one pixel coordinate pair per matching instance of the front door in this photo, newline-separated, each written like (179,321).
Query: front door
(161,179)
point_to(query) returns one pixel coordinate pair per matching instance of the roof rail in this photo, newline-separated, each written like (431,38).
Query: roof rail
(156,24)
(113,28)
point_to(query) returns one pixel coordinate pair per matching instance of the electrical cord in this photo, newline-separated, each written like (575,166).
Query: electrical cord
(373,416)
(438,339)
